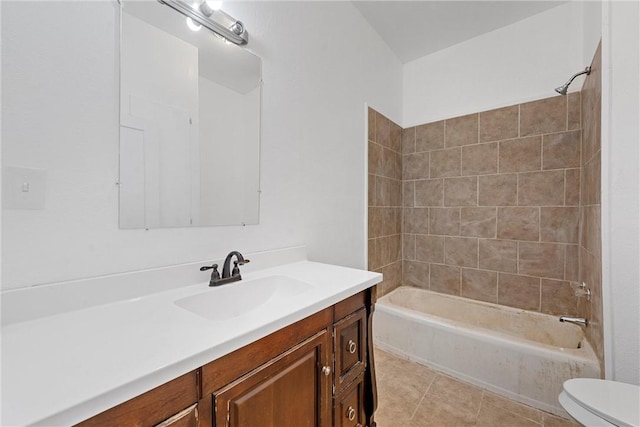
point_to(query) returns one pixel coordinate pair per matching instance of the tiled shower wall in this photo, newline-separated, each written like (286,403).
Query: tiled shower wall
(491,205)
(385,200)
(590,270)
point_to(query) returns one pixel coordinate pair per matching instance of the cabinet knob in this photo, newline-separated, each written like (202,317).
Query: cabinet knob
(351,347)
(351,413)
(326,370)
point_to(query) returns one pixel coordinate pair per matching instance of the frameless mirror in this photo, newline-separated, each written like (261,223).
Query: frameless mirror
(189,123)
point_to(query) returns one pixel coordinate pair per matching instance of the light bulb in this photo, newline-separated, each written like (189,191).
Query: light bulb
(214,4)
(193,26)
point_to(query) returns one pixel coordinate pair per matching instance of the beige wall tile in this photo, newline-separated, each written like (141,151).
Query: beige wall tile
(371,190)
(383,249)
(498,190)
(499,124)
(392,277)
(394,243)
(416,220)
(498,255)
(409,140)
(561,150)
(571,263)
(388,163)
(481,159)
(461,191)
(591,109)
(572,187)
(395,134)
(430,248)
(461,131)
(478,222)
(544,116)
(461,251)
(397,159)
(559,224)
(430,136)
(408,194)
(541,259)
(416,274)
(591,230)
(415,166)
(383,191)
(391,221)
(520,155)
(480,285)
(371,124)
(375,222)
(573,115)
(375,165)
(383,131)
(445,163)
(591,181)
(444,279)
(541,188)
(519,291)
(372,255)
(429,192)
(558,298)
(409,246)
(519,223)
(444,221)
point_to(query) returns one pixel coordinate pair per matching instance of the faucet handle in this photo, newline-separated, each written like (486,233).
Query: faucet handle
(214,274)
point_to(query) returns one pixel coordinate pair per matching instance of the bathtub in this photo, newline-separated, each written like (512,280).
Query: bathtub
(522,355)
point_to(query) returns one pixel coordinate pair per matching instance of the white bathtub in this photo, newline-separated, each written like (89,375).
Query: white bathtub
(522,355)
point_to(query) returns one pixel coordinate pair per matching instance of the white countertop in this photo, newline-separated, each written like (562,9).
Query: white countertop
(64,368)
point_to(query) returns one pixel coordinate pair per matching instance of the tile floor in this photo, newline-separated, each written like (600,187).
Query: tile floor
(412,395)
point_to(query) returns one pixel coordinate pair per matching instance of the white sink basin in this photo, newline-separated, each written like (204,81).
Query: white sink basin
(242,297)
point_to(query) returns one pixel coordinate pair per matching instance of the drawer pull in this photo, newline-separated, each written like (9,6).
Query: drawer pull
(351,413)
(351,347)
(326,370)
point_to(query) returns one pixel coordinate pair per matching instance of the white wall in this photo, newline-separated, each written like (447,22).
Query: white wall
(621,189)
(321,63)
(518,63)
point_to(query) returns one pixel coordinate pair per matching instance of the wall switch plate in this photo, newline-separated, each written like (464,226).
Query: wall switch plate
(23,188)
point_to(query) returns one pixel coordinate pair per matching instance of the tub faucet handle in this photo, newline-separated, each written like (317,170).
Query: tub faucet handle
(581,290)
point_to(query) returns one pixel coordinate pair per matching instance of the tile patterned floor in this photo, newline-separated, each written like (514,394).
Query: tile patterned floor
(412,395)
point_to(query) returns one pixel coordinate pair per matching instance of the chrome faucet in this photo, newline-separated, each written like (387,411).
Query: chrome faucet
(228,275)
(575,320)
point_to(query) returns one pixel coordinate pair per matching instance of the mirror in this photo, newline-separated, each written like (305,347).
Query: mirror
(189,123)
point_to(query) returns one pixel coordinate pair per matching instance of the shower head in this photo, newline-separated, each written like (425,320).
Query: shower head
(562,90)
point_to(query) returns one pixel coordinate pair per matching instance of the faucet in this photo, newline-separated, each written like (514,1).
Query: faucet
(575,320)
(227,275)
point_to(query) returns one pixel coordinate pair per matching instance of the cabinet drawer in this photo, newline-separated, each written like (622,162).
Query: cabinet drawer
(348,408)
(350,349)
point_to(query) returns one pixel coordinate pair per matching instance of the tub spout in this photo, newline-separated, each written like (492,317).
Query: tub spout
(575,320)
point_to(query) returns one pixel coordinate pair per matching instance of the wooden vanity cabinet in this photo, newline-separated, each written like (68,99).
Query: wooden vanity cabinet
(316,372)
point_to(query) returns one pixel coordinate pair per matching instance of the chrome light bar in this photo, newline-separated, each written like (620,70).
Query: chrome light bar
(217,21)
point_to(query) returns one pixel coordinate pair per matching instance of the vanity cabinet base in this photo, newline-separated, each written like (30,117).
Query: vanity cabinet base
(317,372)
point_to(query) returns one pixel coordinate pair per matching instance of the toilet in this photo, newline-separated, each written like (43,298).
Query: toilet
(595,402)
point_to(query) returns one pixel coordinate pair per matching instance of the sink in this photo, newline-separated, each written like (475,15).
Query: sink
(240,298)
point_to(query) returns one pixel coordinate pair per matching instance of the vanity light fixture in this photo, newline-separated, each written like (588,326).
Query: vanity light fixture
(193,26)
(205,13)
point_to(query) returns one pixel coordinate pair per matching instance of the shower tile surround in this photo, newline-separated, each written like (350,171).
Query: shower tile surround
(500,206)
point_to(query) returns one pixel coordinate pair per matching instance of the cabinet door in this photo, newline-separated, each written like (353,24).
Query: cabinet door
(348,409)
(294,389)
(350,348)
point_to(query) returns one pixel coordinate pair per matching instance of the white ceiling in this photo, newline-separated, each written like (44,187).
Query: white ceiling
(413,29)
